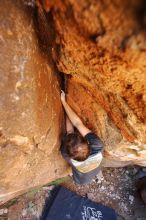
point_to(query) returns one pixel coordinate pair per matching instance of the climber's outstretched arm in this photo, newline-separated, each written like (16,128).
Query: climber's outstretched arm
(76,121)
(69,126)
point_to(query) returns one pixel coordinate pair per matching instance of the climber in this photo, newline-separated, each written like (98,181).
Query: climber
(80,147)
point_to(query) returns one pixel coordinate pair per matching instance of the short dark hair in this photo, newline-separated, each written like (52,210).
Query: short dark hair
(76,147)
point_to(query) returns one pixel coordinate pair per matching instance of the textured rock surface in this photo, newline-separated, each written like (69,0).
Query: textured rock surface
(30,108)
(101,45)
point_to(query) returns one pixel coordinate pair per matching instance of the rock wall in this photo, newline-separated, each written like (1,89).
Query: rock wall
(101,46)
(30,109)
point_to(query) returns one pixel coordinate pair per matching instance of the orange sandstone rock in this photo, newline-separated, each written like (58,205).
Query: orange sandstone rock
(30,107)
(101,48)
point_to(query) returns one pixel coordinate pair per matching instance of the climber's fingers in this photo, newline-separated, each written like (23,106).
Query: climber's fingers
(62,95)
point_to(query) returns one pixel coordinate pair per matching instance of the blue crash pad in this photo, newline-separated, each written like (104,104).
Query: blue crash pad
(69,206)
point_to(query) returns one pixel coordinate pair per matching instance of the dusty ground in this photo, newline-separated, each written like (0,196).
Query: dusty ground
(116,189)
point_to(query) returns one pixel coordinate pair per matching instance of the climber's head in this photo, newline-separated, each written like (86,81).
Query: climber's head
(76,147)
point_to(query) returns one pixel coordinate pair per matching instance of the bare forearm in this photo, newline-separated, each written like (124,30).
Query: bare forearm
(71,114)
(76,121)
(69,126)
